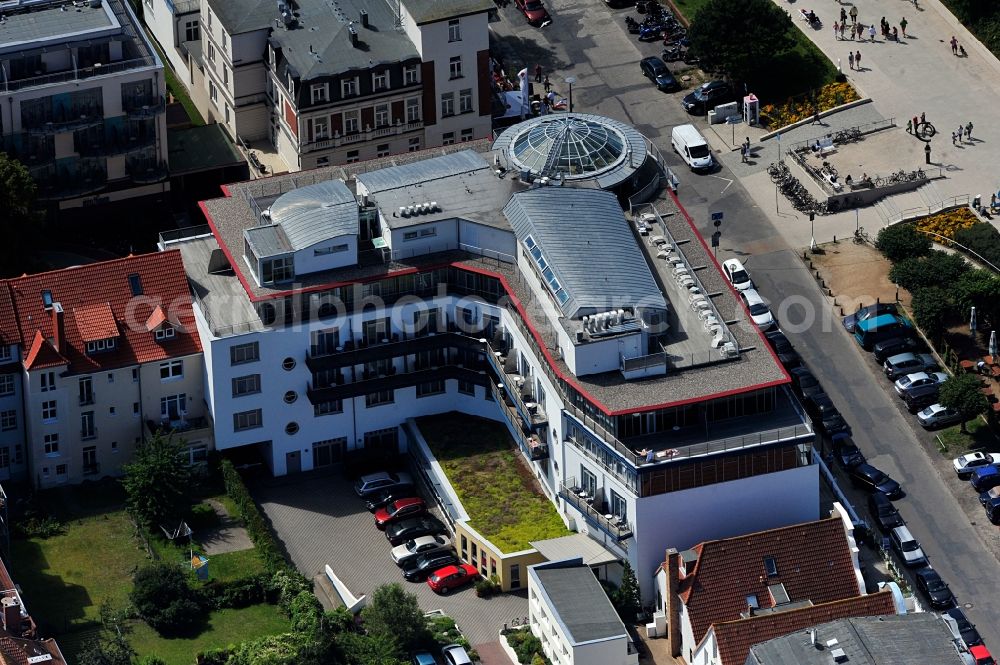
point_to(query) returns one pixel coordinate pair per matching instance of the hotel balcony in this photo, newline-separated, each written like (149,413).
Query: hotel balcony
(146,171)
(595,511)
(530,444)
(143,106)
(88,177)
(394,380)
(517,389)
(199,427)
(358,353)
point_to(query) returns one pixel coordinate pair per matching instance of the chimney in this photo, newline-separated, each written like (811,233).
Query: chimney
(58,328)
(353,35)
(364,18)
(11,615)
(673,603)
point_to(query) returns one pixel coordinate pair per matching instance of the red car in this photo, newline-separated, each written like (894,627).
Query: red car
(397,510)
(534,11)
(979,652)
(452,577)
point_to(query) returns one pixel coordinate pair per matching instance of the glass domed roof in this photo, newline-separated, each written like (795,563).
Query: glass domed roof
(572,146)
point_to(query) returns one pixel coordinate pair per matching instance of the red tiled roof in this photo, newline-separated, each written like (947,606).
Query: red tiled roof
(813,562)
(734,638)
(95,322)
(9,332)
(105,287)
(156,319)
(17,651)
(42,354)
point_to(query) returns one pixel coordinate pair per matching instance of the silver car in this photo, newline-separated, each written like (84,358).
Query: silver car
(422,545)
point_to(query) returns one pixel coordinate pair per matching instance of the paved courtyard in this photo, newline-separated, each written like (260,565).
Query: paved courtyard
(321,521)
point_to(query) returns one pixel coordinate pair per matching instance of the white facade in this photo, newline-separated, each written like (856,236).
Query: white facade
(12,426)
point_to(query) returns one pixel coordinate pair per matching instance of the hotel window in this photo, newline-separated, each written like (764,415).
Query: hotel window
(455,67)
(164,333)
(101,345)
(382,115)
(466,387)
(171,370)
(319,93)
(619,508)
(191,31)
(5,352)
(382,150)
(211,53)
(454,30)
(275,271)
(244,353)
(348,87)
(448,138)
(413,109)
(515,576)
(321,128)
(465,101)
(430,388)
(6,384)
(213,93)
(225,42)
(353,156)
(410,75)
(49,411)
(379,398)
(328,408)
(173,407)
(48,381)
(447,104)
(351,122)
(247,420)
(588,481)
(209,19)
(8,420)
(380,80)
(413,144)
(51,444)
(225,75)
(246,385)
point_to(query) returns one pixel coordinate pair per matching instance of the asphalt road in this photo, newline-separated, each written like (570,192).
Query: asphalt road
(590,42)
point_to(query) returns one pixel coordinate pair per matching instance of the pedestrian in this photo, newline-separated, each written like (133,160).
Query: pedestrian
(843,15)
(545,107)
(842,26)
(954,45)
(923,117)
(854,32)
(857,60)
(961,131)
(993,201)
(547,84)
(902,26)
(743,153)
(895,34)
(538,73)
(968,131)
(871,32)
(850,59)
(909,126)
(861,30)
(953,138)
(816,120)
(836,30)
(885,26)
(747,144)
(854,14)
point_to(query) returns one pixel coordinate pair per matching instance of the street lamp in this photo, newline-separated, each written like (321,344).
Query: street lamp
(571,80)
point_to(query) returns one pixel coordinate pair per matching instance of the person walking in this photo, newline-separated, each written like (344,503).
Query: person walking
(854,14)
(927,152)
(861,31)
(843,14)
(836,30)
(743,153)
(961,131)
(871,32)
(902,26)
(547,84)
(923,117)
(857,60)
(854,32)
(954,45)
(968,131)
(538,73)
(850,59)
(953,138)
(909,126)
(895,34)
(842,26)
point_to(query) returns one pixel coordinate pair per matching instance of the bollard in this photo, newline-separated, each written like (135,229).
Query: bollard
(842,311)
(834,240)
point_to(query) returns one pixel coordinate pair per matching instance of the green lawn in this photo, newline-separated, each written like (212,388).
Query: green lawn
(178,90)
(979,437)
(234,565)
(224,627)
(496,488)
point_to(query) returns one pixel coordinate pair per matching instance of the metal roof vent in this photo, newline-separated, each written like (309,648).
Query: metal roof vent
(839,656)
(435,207)
(403,211)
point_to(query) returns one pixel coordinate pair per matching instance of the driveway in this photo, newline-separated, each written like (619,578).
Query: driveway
(321,521)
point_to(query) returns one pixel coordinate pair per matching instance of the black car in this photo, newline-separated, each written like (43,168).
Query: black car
(804,382)
(419,568)
(825,415)
(868,477)
(851,320)
(935,588)
(656,71)
(848,455)
(385,497)
(968,631)
(895,345)
(883,512)
(786,353)
(425,525)
(707,96)
(922,397)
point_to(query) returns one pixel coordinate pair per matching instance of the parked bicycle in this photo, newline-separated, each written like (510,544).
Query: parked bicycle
(860,236)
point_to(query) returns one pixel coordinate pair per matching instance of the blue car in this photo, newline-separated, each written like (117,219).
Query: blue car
(656,71)
(985,478)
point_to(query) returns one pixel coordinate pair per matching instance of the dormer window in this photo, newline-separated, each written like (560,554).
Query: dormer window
(100,345)
(47,299)
(165,333)
(274,271)
(771,566)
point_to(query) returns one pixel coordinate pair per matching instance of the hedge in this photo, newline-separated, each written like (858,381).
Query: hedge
(240,593)
(257,528)
(982,239)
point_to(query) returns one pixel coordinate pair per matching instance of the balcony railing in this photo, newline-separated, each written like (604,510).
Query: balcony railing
(531,412)
(532,447)
(577,497)
(79,73)
(143,106)
(91,468)
(184,425)
(351,353)
(88,146)
(395,380)
(359,136)
(69,185)
(144,171)
(50,126)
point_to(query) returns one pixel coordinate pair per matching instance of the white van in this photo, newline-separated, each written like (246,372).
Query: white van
(692,147)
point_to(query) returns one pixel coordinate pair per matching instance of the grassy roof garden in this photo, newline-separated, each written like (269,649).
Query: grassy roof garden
(492,480)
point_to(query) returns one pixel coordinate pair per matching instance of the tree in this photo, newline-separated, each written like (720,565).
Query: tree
(901,241)
(979,289)
(157,481)
(163,599)
(360,649)
(932,309)
(961,392)
(392,612)
(982,239)
(628,596)
(936,269)
(741,39)
(112,649)
(17,217)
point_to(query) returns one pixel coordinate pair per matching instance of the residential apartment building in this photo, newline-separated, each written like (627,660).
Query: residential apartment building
(13,462)
(570,613)
(437,284)
(108,355)
(334,84)
(84,104)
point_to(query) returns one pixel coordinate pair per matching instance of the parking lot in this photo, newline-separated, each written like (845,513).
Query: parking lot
(321,521)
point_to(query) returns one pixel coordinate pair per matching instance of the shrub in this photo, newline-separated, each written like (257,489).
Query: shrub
(36,525)
(213,657)
(163,599)
(525,645)
(306,613)
(152,660)
(287,584)
(947,224)
(488,587)
(931,310)
(394,613)
(902,241)
(242,592)
(983,239)
(936,269)
(256,525)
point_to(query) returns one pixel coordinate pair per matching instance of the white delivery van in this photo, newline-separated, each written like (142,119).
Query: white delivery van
(692,147)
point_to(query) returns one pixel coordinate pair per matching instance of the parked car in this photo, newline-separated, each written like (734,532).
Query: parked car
(825,416)
(981,655)
(455,654)
(907,547)
(874,480)
(707,96)
(919,380)
(657,71)
(387,496)
(848,455)
(367,486)
(786,353)
(879,328)
(938,415)
(935,588)
(451,577)
(759,311)
(908,363)
(737,274)
(895,345)
(534,11)
(883,512)
(920,398)
(985,477)
(804,383)
(990,496)
(414,527)
(969,462)
(851,320)
(398,510)
(418,546)
(424,658)
(420,568)
(966,630)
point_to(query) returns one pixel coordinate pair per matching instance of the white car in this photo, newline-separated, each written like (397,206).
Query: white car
(455,654)
(737,275)
(418,546)
(759,311)
(937,415)
(918,379)
(969,462)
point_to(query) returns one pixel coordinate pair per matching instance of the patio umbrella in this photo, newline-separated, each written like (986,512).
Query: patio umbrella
(972,321)
(993,344)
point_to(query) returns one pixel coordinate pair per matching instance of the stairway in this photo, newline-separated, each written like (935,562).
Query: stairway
(925,198)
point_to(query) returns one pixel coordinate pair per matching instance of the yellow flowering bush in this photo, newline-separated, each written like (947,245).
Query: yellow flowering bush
(792,110)
(947,224)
